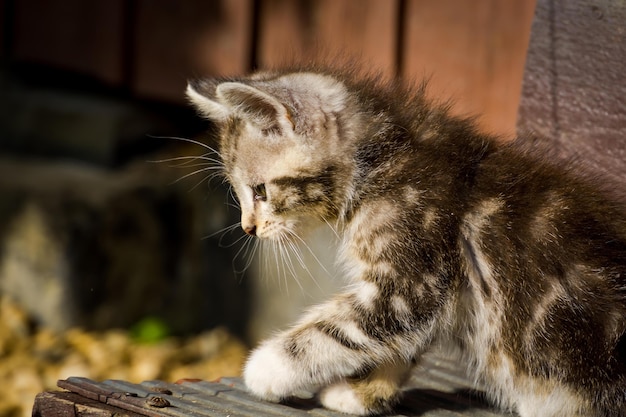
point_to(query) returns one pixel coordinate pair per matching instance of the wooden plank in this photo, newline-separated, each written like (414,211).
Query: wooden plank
(473,52)
(438,388)
(180,40)
(574,85)
(303,31)
(76,35)
(69,404)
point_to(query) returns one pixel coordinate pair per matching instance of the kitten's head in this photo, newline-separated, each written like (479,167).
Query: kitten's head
(285,142)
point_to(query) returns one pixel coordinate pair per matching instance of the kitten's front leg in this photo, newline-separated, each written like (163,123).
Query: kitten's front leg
(323,347)
(272,375)
(347,345)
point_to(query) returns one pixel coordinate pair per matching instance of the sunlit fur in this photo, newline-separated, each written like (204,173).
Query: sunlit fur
(448,236)
(287,255)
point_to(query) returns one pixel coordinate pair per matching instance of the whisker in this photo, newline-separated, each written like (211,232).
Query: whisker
(306,245)
(193,164)
(247,252)
(231,205)
(232,196)
(286,249)
(207,179)
(281,265)
(278,262)
(250,246)
(195,142)
(230,245)
(334,229)
(206,161)
(211,168)
(298,254)
(186,160)
(224,230)
(221,243)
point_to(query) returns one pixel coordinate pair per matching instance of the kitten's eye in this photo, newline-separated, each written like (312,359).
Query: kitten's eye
(259,192)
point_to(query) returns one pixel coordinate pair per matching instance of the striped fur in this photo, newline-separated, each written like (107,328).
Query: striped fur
(448,236)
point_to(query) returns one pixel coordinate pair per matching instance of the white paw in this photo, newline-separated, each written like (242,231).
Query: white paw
(341,397)
(271,376)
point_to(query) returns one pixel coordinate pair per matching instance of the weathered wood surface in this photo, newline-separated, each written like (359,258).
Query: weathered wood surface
(438,389)
(298,31)
(69,404)
(176,40)
(473,51)
(574,86)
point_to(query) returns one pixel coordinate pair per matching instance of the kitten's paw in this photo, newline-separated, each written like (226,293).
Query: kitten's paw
(366,397)
(269,375)
(341,397)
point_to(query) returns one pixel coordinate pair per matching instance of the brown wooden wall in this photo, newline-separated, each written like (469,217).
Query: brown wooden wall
(473,51)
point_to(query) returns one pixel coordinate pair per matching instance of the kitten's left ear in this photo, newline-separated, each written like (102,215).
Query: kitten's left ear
(200,93)
(257,106)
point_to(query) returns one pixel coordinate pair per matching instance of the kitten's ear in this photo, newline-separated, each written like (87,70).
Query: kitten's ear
(257,106)
(200,93)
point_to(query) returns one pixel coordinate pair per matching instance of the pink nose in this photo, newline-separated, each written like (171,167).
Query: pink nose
(251,230)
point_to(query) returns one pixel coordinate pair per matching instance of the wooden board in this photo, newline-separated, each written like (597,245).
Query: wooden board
(438,389)
(69,404)
(176,40)
(473,52)
(574,85)
(76,35)
(301,31)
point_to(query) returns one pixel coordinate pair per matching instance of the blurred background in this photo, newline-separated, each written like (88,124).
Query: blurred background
(113,265)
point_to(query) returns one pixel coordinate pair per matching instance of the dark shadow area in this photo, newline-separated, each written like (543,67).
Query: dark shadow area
(125,238)
(417,402)
(39,102)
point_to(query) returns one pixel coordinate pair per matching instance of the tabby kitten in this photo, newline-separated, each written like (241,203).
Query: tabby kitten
(448,237)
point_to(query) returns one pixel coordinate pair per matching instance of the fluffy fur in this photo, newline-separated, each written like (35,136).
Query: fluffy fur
(448,236)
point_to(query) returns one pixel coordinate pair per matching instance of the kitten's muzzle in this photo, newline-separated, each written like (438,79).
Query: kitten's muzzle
(250,230)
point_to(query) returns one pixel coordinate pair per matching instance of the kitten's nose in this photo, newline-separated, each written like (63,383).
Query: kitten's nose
(251,230)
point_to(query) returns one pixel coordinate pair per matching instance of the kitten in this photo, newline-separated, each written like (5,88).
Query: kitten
(448,236)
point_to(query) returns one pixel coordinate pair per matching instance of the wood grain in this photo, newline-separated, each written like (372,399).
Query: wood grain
(179,40)
(473,52)
(69,404)
(438,388)
(303,31)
